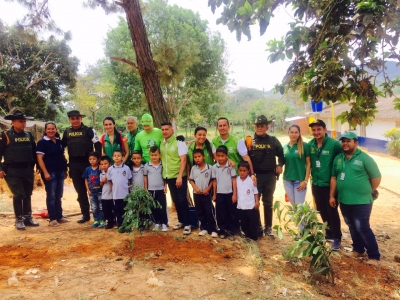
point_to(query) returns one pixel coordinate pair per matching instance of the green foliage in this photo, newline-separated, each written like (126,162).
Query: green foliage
(393,145)
(34,73)
(138,210)
(189,60)
(308,241)
(337,48)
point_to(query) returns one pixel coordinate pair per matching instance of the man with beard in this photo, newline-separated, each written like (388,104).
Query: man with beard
(355,176)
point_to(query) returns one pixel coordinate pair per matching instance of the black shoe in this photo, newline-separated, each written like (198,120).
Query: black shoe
(19,223)
(83,220)
(109,226)
(28,221)
(121,230)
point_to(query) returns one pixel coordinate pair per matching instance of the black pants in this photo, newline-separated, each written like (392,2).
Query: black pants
(75,172)
(178,195)
(226,212)
(119,205)
(108,210)
(205,212)
(249,222)
(20,182)
(328,213)
(160,214)
(266,184)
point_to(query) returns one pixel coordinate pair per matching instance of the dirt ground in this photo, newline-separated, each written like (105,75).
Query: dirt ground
(75,261)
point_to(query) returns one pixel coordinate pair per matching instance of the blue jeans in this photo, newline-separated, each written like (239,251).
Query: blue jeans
(357,218)
(295,196)
(95,203)
(54,192)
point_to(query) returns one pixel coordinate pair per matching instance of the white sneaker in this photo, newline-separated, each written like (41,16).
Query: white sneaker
(156,227)
(187,230)
(203,232)
(177,226)
(214,234)
(164,227)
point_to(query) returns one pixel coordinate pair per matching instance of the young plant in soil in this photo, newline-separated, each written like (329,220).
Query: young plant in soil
(138,211)
(309,241)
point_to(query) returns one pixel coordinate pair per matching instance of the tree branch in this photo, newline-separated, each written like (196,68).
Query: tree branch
(120,4)
(127,61)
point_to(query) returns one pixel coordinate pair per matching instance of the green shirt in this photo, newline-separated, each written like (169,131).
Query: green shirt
(110,148)
(322,160)
(355,187)
(170,158)
(207,158)
(131,141)
(295,166)
(146,140)
(231,143)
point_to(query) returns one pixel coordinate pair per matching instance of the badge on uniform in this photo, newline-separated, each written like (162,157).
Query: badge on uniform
(342,176)
(318,164)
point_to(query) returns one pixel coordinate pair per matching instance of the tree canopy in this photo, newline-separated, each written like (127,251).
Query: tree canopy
(189,60)
(34,73)
(336,48)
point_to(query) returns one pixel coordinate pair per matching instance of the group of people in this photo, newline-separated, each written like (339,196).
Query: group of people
(234,173)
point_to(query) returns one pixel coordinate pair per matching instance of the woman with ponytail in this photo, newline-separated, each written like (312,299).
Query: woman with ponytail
(201,142)
(112,140)
(297,166)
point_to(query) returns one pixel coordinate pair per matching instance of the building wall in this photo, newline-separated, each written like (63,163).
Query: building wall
(378,127)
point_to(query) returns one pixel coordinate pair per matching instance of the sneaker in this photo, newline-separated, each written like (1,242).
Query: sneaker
(53,223)
(102,224)
(64,220)
(356,254)
(95,224)
(373,262)
(268,232)
(187,230)
(177,226)
(164,228)
(203,232)
(156,227)
(214,234)
(336,244)
(109,226)
(222,236)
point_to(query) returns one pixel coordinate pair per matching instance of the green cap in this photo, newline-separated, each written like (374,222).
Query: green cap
(147,119)
(349,135)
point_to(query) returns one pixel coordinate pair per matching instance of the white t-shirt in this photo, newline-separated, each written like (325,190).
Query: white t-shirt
(245,193)
(241,147)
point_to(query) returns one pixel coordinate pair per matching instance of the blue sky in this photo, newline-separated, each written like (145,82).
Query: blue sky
(248,63)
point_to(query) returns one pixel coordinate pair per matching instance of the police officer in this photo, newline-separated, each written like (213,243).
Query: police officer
(263,150)
(79,139)
(18,148)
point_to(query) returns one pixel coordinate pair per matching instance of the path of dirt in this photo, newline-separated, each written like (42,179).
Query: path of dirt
(76,261)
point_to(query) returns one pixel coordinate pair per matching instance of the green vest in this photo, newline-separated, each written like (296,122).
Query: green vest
(231,144)
(170,158)
(131,141)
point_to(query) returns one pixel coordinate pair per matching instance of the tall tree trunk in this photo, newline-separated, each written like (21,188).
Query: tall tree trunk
(144,58)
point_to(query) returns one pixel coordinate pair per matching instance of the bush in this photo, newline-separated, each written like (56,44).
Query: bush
(309,241)
(393,145)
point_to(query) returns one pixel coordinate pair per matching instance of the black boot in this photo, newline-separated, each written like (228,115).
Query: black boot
(19,223)
(84,219)
(28,220)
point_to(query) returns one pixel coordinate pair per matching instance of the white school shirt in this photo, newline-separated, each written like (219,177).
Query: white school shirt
(119,176)
(245,193)
(106,192)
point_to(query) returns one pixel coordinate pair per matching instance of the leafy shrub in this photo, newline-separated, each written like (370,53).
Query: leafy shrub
(393,145)
(309,241)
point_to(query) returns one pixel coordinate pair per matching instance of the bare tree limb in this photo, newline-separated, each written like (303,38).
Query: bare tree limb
(124,60)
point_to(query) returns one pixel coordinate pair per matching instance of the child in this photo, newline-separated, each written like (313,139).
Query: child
(137,169)
(106,196)
(224,187)
(92,183)
(247,202)
(119,175)
(200,179)
(154,183)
